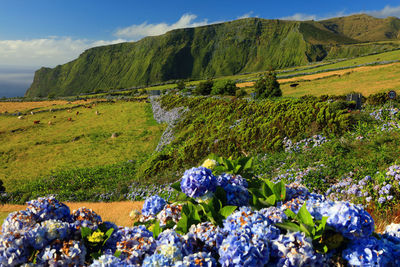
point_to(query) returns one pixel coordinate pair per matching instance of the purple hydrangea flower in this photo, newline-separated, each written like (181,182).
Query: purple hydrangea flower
(197,182)
(153,205)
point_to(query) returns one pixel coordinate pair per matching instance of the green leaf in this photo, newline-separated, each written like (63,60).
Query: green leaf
(289,226)
(269,201)
(237,169)
(304,228)
(182,225)
(227,210)
(177,186)
(305,217)
(290,214)
(280,191)
(156,229)
(221,195)
(85,232)
(117,253)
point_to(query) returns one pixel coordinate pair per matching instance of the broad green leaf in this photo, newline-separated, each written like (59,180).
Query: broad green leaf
(156,229)
(289,226)
(305,217)
(237,169)
(182,225)
(269,201)
(117,253)
(227,210)
(177,186)
(85,232)
(305,229)
(280,191)
(290,214)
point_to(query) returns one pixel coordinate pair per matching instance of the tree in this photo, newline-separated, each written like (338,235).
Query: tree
(204,88)
(267,86)
(224,87)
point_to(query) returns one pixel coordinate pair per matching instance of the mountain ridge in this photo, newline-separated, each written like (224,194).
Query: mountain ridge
(245,45)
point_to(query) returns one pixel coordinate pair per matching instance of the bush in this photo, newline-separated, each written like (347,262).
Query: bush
(240,92)
(224,87)
(180,85)
(204,88)
(378,98)
(267,86)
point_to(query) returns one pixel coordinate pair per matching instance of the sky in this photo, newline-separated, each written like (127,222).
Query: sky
(37,33)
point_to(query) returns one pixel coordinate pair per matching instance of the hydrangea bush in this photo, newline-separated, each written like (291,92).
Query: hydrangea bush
(241,222)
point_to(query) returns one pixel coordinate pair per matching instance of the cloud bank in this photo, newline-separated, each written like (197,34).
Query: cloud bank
(136,32)
(44,52)
(383,13)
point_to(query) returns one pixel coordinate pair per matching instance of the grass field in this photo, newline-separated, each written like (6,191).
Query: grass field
(12,107)
(366,80)
(30,150)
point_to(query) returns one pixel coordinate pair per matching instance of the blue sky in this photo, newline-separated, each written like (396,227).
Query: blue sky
(35,33)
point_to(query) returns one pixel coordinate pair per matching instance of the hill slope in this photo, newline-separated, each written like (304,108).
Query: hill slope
(245,45)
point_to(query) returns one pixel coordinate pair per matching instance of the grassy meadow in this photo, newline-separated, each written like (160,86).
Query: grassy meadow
(74,138)
(366,80)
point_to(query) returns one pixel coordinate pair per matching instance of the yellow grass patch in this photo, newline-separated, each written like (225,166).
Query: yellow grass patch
(116,212)
(11,107)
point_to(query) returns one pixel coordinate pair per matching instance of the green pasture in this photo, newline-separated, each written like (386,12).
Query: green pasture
(366,82)
(28,150)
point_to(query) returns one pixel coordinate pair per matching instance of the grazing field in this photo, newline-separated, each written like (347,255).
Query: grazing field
(75,138)
(10,107)
(366,80)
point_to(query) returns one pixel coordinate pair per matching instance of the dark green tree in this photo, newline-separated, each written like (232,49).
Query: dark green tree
(204,88)
(267,86)
(224,87)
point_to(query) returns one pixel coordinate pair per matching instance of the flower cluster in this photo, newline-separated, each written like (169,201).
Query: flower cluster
(235,188)
(308,143)
(197,182)
(47,234)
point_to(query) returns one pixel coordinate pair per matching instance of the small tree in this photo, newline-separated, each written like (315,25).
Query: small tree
(204,88)
(224,87)
(268,86)
(180,85)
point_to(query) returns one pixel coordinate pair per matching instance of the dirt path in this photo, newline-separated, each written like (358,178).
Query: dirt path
(323,74)
(116,212)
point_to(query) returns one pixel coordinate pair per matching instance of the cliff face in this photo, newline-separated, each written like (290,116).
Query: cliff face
(244,45)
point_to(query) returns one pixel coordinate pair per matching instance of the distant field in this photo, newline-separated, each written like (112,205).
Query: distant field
(368,81)
(11,107)
(29,150)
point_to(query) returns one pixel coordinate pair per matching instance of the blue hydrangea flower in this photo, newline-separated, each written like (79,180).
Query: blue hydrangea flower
(239,249)
(135,244)
(368,252)
(173,245)
(13,249)
(157,260)
(153,205)
(200,259)
(237,195)
(170,212)
(244,217)
(350,220)
(49,208)
(226,178)
(197,182)
(18,221)
(211,235)
(273,214)
(108,260)
(67,253)
(294,249)
(84,217)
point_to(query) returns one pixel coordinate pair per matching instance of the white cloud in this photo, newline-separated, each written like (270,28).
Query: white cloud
(385,12)
(136,32)
(247,15)
(49,52)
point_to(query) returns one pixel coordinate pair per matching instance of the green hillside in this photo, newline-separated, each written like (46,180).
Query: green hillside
(240,46)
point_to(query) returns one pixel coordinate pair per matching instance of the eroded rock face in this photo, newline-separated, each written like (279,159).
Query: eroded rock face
(171,117)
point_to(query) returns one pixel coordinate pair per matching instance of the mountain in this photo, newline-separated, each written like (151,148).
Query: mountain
(244,45)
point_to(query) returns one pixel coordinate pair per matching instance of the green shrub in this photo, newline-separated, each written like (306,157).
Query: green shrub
(204,88)
(224,87)
(378,98)
(267,86)
(180,85)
